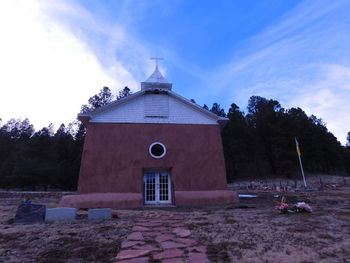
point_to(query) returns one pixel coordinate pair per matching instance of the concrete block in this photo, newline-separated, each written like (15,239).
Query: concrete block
(102,213)
(96,200)
(60,213)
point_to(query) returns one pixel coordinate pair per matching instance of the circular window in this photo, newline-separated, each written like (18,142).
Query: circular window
(157,150)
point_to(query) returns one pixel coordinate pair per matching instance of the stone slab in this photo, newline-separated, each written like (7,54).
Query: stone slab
(140,228)
(135,236)
(182,232)
(127,244)
(170,253)
(146,247)
(29,213)
(135,260)
(60,213)
(173,260)
(132,253)
(100,214)
(197,257)
(164,237)
(170,244)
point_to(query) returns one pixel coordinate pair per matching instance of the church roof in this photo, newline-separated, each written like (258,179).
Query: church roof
(131,109)
(156,77)
(175,108)
(156,81)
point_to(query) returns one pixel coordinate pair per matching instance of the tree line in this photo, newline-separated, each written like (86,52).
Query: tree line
(261,143)
(257,144)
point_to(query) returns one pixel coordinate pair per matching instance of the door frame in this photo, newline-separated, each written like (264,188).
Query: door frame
(157,172)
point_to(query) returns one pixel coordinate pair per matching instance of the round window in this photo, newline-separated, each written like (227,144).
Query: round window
(157,150)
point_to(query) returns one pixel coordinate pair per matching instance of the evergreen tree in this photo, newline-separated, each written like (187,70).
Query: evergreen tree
(103,98)
(217,110)
(265,117)
(241,154)
(124,93)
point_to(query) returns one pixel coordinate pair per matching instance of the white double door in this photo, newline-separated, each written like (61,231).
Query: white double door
(157,188)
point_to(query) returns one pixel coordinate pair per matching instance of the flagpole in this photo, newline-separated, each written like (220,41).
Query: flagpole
(301,164)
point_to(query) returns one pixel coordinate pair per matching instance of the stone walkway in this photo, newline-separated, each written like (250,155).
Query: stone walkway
(161,236)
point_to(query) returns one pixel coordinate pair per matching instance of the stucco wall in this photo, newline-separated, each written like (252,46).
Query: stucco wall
(115,154)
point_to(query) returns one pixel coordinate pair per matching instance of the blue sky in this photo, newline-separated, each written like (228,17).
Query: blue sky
(56,54)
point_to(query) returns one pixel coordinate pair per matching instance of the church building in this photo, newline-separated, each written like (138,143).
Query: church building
(151,148)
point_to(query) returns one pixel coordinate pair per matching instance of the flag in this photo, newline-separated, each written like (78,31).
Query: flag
(297,145)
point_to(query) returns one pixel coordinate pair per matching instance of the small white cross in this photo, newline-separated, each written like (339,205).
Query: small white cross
(156,59)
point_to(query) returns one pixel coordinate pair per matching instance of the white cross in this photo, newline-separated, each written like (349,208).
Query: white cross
(156,59)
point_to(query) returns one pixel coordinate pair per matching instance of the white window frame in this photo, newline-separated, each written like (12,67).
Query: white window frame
(154,156)
(157,189)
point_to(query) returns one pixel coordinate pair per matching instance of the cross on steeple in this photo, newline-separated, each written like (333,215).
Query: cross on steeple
(156,59)
(156,80)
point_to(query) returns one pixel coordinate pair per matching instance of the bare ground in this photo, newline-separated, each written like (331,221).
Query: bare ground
(251,231)
(78,241)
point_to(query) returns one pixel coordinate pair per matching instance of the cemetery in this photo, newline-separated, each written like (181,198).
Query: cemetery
(231,145)
(252,230)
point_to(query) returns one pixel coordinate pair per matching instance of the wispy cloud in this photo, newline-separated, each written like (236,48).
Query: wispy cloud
(328,97)
(50,65)
(302,61)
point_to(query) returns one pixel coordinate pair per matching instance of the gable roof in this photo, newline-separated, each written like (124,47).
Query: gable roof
(169,108)
(86,117)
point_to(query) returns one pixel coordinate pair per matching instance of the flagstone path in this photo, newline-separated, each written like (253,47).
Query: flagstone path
(161,236)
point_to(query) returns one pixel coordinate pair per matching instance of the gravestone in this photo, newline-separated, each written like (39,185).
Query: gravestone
(60,213)
(29,213)
(102,213)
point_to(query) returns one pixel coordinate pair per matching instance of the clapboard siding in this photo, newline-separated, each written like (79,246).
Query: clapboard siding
(167,110)
(156,105)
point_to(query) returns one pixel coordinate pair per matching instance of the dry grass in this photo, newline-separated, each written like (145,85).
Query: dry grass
(78,241)
(261,234)
(250,231)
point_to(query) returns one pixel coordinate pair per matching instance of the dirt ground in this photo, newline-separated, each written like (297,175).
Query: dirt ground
(250,231)
(76,241)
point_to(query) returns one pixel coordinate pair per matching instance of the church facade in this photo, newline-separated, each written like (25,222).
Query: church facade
(151,148)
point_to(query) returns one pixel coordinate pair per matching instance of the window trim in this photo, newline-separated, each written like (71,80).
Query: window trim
(150,150)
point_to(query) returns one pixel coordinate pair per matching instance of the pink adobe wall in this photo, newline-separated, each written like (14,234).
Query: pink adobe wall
(115,154)
(133,200)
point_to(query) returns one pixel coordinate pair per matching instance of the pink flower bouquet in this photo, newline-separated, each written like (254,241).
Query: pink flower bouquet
(282,207)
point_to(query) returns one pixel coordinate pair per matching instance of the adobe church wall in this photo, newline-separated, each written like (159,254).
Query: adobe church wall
(115,155)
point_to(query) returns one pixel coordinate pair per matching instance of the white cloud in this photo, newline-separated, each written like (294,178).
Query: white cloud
(302,60)
(47,69)
(328,97)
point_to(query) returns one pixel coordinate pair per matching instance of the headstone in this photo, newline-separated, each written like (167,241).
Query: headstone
(101,213)
(321,183)
(321,188)
(29,213)
(60,213)
(309,189)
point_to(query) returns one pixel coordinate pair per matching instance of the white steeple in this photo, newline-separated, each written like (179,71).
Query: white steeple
(156,80)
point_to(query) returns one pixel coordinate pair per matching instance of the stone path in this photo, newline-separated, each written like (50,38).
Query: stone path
(161,236)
